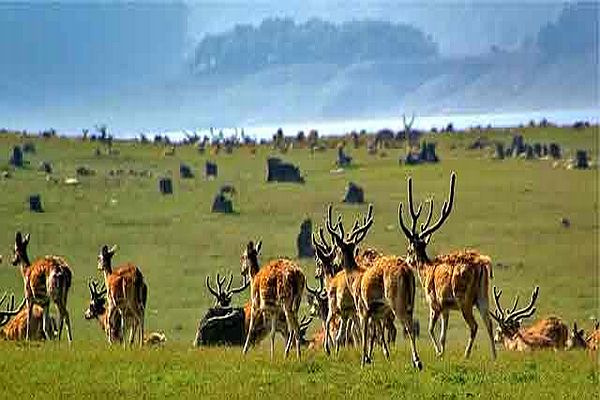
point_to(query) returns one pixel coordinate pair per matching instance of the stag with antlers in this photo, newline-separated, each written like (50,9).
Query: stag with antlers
(97,309)
(276,286)
(388,286)
(127,294)
(549,332)
(13,321)
(223,295)
(455,281)
(46,280)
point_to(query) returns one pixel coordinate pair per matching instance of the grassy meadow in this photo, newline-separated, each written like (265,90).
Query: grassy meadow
(510,210)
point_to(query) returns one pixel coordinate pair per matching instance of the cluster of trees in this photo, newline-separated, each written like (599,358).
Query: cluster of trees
(280,41)
(575,32)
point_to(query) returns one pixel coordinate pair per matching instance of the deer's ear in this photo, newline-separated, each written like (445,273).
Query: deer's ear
(18,238)
(112,250)
(258,246)
(26,238)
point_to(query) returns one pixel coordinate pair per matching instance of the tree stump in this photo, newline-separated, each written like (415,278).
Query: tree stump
(354,194)
(581,160)
(210,170)
(537,150)
(35,203)
(518,145)
(185,171)
(554,151)
(16,157)
(499,155)
(222,204)
(165,185)
(279,171)
(343,160)
(46,167)
(304,240)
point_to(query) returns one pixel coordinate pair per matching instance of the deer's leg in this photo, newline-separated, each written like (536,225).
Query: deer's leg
(444,330)
(327,344)
(356,332)
(66,317)
(364,322)
(253,315)
(141,327)
(433,318)
(487,322)
(407,322)
(294,327)
(467,313)
(29,316)
(272,333)
(384,341)
(339,334)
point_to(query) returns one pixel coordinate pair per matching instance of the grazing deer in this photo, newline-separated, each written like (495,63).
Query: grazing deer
(388,286)
(455,281)
(578,340)
(97,310)
(13,321)
(127,294)
(549,332)
(46,280)
(277,285)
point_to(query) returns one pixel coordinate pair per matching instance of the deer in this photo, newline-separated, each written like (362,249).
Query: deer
(549,332)
(127,294)
(13,321)
(454,281)
(97,309)
(579,340)
(277,285)
(223,324)
(388,286)
(46,280)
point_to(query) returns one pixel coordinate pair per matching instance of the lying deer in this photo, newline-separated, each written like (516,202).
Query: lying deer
(223,324)
(46,280)
(277,285)
(387,286)
(455,281)
(13,322)
(127,295)
(549,332)
(578,339)
(97,310)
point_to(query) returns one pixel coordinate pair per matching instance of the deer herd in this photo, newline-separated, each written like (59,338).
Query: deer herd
(361,294)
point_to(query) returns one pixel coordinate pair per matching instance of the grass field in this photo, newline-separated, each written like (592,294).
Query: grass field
(510,210)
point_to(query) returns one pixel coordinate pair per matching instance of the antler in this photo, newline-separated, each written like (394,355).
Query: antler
(524,312)
(10,309)
(316,292)
(358,232)
(408,127)
(511,315)
(333,229)
(446,209)
(304,325)
(93,285)
(244,285)
(223,296)
(322,246)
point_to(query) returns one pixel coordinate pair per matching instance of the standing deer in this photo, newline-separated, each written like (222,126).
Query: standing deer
(127,294)
(46,280)
(455,281)
(339,307)
(578,340)
(277,285)
(388,286)
(549,332)
(13,322)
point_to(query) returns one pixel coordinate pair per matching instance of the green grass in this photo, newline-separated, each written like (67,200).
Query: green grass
(509,209)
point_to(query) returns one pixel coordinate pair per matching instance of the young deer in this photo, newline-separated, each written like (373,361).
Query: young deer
(46,280)
(277,285)
(13,321)
(388,286)
(455,281)
(578,340)
(549,332)
(127,295)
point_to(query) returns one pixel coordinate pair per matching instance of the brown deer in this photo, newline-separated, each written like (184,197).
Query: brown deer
(388,286)
(127,294)
(13,322)
(277,285)
(339,307)
(455,281)
(46,280)
(549,332)
(578,339)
